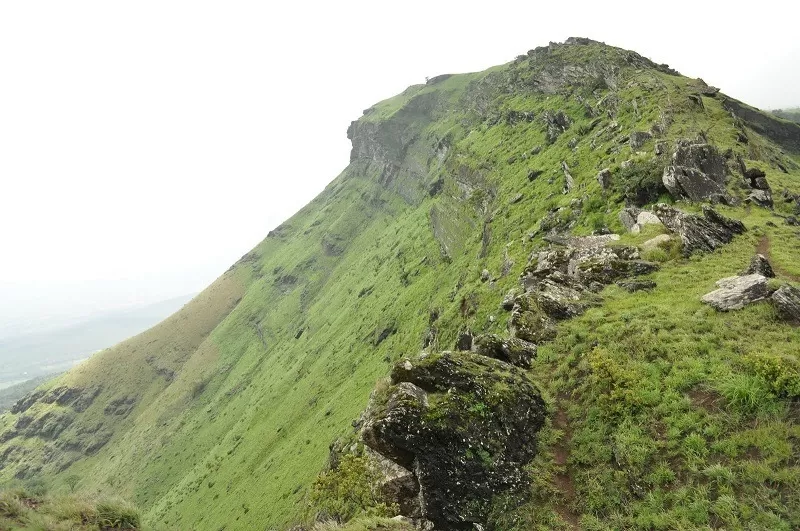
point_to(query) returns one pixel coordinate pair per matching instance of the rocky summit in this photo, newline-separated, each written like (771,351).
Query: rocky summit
(561,293)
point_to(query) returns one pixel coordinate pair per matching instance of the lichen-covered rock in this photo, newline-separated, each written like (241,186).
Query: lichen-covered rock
(735,293)
(698,233)
(509,349)
(609,267)
(558,300)
(465,425)
(787,301)
(759,265)
(531,325)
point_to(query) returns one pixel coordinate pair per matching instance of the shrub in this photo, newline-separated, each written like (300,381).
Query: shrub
(781,372)
(641,181)
(351,489)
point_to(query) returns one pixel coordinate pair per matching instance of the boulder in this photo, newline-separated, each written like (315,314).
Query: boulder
(632,286)
(465,426)
(690,183)
(699,233)
(762,198)
(759,265)
(735,293)
(628,217)
(607,268)
(464,340)
(557,300)
(638,139)
(652,243)
(787,301)
(511,350)
(698,172)
(644,218)
(604,178)
(569,182)
(396,483)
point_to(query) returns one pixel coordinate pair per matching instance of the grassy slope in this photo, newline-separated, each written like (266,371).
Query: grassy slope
(244,427)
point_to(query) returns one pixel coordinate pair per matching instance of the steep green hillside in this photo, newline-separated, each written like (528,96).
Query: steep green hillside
(222,416)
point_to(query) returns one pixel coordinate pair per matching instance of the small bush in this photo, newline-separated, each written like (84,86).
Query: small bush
(349,490)
(641,182)
(780,372)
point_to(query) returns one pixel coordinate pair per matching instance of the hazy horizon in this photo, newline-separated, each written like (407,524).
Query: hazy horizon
(147,146)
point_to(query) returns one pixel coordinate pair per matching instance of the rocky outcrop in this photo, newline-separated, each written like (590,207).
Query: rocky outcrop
(759,265)
(697,173)
(639,138)
(464,426)
(787,301)
(604,178)
(735,293)
(632,286)
(697,233)
(511,350)
(557,123)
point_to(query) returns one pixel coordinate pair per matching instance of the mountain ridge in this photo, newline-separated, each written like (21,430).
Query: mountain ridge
(234,401)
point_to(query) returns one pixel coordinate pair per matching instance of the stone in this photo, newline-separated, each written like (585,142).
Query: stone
(467,445)
(511,350)
(516,199)
(606,269)
(762,198)
(644,218)
(628,217)
(660,148)
(699,234)
(638,139)
(652,243)
(604,178)
(397,484)
(569,182)
(464,340)
(632,286)
(735,293)
(759,265)
(787,301)
(557,300)
(531,325)
(534,174)
(485,275)
(509,300)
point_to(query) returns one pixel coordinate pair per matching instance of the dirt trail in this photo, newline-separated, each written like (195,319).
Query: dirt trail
(763,248)
(563,480)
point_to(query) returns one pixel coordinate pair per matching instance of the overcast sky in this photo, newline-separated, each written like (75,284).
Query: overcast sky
(145,146)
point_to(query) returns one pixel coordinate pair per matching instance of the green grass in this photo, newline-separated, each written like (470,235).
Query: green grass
(236,399)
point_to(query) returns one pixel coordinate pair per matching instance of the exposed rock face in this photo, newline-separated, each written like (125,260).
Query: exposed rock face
(628,217)
(759,265)
(638,139)
(698,172)
(604,178)
(736,292)
(464,425)
(644,218)
(787,301)
(698,233)
(511,350)
(556,124)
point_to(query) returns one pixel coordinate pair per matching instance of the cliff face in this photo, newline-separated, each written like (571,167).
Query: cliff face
(465,213)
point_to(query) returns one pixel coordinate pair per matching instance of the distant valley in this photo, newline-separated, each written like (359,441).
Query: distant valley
(32,356)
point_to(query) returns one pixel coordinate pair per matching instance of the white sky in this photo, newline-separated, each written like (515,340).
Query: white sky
(145,146)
